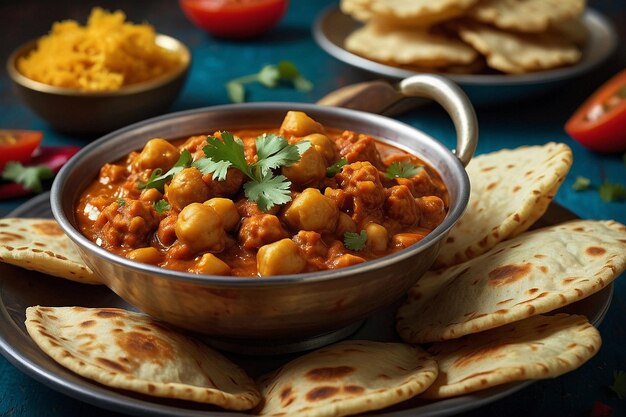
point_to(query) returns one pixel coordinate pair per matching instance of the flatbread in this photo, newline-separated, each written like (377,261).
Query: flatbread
(41,245)
(518,53)
(127,350)
(347,378)
(405,12)
(536,348)
(534,273)
(526,15)
(397,46)
(510,190)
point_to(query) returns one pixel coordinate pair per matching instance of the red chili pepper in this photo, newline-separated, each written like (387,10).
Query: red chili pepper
(54,157)
(600,409)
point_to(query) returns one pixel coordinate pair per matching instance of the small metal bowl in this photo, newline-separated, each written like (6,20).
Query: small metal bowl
(87,113)
(249,312)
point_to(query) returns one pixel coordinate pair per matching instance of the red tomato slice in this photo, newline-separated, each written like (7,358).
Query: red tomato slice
(600,123)
(18,145)
(234,18)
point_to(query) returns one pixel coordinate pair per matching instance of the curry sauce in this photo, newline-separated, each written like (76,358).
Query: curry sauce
(378,199)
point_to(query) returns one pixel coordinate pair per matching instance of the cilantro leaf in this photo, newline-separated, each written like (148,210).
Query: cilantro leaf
(610,192)
(207,165)
(268,191)
(121,202)
(28,176)
(161,206)
(274,151)
(236,92)
(289,72)
(229,150)
(581,183)
(158,179)
(619,384)
(402,169)
(269,76)
(335,168)
(355,241)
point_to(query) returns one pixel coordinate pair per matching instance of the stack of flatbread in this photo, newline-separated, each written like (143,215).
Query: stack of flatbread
(485,315)
(510,36)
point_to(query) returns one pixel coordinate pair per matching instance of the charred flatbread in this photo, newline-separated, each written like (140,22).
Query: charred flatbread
(510,190)
(534,273)
(347,378)
(539,347)
(41,245)
(127,350)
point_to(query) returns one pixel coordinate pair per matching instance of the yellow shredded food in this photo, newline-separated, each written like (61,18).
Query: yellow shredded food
(106,54)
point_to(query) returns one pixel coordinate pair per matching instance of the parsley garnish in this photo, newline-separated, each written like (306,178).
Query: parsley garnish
(28,176)
(158,179)
(355,241)
(121,202)
(161,206)
(334,169)
(610,192)
(402,169)
(269,76)
(273,151)
(581,184)
(619,384)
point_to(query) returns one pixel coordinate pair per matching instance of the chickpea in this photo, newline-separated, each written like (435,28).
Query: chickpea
(347,260)
(377,237)
(404,240)
(147,255)
(151,195)
(157,153)
(297,123)
(310,168)
(201,228)
(210,264)
(278,258)
(324,146)
(185,188)
(311,210)
(227,210)
(344,224)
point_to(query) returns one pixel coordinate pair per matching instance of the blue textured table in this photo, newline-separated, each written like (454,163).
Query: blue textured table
(533,121)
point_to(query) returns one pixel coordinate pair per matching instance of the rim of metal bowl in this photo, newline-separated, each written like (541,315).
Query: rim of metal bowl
(453,215)
(164,41)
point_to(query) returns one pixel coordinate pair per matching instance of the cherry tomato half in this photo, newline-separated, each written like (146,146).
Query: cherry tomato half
(18,145)
(234,18)
(600,123)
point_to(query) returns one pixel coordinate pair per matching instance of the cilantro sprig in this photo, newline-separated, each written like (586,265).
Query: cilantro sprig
(402,169)
(264,188)
(619,384)
(29,177)
(334,169)
(273,152)
(608,191)
(355,241)
(158,179)
(269,76)
(161,206)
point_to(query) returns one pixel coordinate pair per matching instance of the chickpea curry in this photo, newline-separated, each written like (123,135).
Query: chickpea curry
(295,199)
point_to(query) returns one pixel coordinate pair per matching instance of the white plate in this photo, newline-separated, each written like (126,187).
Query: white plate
(332,27)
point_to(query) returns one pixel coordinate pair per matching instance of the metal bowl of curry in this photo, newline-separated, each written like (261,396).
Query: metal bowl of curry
(272,222)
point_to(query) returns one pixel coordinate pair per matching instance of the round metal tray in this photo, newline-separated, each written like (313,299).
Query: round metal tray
(20,289)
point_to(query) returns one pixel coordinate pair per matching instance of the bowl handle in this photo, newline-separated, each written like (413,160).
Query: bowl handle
(454,101)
